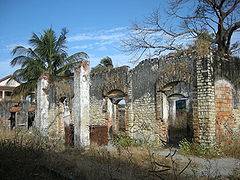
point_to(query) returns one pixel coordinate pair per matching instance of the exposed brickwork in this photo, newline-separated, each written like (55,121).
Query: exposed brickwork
(206,103)
(151,91)
(225,124)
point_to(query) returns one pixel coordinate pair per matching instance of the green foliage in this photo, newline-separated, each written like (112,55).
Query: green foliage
(106,61)
(125,141)
(104,65)
(99,68)
(46,55)
(193,148)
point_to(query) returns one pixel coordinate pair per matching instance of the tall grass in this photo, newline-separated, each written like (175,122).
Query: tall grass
(28,155)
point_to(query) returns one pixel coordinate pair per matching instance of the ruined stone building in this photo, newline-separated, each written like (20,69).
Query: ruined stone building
(164,99)
(14,112)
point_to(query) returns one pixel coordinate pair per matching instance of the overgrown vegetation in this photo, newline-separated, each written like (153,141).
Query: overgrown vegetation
(233,150)
(27,155)
(125,141)
(196,149)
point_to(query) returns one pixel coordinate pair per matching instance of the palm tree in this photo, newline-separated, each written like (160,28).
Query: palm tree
(104,65)
(47,55)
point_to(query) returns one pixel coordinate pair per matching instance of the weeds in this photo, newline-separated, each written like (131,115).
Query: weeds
(27,155)
(125,141)
(196,149)
(233,150)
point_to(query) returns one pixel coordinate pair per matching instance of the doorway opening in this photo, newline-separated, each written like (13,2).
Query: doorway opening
(178,121)
(12,120)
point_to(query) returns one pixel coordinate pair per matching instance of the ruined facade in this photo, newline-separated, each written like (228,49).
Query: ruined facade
(14,111)
(16,114)
(166,99)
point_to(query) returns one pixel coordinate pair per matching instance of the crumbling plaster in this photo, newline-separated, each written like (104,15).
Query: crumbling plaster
(148,90)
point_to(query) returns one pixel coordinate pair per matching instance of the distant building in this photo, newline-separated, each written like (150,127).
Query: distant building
(15,112)
(7,86)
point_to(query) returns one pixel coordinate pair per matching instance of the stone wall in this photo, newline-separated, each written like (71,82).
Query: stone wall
(20,109)
(101,85)
(152,92)
(60,104)
(149,80)
(54,105)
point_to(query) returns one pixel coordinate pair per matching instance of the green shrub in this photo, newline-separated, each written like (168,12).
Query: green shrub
(193,148)
(125,141)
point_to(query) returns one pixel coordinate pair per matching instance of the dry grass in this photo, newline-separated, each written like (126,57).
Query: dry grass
(233,150)
(27,155)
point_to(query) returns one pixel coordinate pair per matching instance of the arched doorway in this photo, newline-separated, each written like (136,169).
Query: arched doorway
(116,111)
(176,111)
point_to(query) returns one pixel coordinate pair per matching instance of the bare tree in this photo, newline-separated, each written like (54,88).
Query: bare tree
(215,21)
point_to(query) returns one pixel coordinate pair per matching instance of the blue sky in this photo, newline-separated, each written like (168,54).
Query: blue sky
(95,26)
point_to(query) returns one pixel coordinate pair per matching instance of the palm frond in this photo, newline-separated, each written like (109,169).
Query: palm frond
(77,57)
(19,50)
(19,60)
(67,67)
(47,55)
(25,88)
(61,41)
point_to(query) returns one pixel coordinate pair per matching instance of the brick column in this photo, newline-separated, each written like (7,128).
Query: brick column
(205,100)
(81,104)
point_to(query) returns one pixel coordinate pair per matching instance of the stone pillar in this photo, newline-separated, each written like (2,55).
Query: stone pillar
(206,100)
(81,104)
(129,120)
(3,94)
(41,122)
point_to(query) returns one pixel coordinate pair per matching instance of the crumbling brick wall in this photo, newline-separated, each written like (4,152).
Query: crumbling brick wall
(151,91)
(227,78)
(52,93)
(103,101)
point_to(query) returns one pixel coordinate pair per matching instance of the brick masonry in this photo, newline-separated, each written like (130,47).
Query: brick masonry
(151,91)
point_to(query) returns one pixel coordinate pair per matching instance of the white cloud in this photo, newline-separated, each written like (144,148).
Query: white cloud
(89,46)
(95,37)
(110,34)
(116,29)
(103,40)
(102,43)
